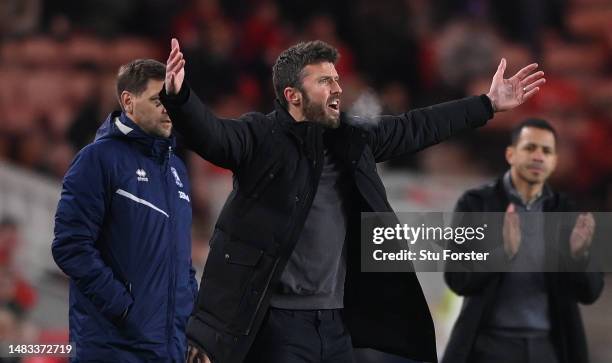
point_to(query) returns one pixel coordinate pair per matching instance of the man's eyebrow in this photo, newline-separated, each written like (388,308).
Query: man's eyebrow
(536,144)
(330,77)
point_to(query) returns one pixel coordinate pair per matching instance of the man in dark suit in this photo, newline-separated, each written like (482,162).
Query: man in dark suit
(517,312)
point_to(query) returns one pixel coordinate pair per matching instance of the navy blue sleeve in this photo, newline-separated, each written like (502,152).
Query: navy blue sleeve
(393,136)
(78,220)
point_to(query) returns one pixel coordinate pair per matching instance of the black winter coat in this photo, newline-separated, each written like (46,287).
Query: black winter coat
(565,289)
(276,164)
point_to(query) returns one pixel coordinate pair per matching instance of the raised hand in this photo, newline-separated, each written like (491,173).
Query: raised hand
(506,94)
(582,235)
(175,69)
(511,231)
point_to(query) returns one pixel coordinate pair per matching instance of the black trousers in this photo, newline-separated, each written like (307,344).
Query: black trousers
(496,348)
(302,336)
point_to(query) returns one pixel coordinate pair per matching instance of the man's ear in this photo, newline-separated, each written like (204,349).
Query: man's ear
(510,154)
(127,102)
(293,96)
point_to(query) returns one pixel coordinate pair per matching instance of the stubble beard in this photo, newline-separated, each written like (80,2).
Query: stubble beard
(317,113)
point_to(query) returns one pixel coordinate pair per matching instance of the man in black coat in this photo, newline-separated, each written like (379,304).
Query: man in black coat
(282,282)
(524,311)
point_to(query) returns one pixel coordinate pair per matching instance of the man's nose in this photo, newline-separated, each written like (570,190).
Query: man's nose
(538,155)
(336,88)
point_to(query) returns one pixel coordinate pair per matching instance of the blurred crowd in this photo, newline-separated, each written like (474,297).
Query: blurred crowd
(18,298)
(58,62)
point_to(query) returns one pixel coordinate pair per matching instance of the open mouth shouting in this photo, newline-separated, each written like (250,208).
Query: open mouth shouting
(334,105)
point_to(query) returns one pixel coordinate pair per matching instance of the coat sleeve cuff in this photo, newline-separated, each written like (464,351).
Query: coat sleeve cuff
(488,105)
(578,264)
(177,99)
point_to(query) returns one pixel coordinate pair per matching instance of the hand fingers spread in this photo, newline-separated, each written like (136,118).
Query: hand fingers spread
(535,84)
(530,94)
(532,78)
(525,71)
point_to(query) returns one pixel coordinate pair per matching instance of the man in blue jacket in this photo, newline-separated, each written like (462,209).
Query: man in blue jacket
(122,232)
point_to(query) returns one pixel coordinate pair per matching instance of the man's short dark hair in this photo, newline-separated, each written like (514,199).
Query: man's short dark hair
(287,70)
(134,76)
(531,122)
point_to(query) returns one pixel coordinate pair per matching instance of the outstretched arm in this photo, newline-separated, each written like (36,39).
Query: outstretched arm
(393,136)
(224,142)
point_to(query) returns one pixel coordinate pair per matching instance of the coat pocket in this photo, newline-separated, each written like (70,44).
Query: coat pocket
(230,271)
(236,253)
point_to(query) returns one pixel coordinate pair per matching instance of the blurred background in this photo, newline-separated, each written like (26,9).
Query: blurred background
(58,62)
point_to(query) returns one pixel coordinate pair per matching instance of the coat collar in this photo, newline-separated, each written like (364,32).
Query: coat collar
(303,129)
(552,202)
(119,125)
(347,141)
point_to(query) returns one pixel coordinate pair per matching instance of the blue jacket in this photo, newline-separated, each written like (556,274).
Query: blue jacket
(122,235)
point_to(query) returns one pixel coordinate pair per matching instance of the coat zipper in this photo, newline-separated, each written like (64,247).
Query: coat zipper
(171,298)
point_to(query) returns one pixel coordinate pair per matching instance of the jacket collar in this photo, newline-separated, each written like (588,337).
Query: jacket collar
(514,195)
(347,141)
(303,129)
(552,203)
(119,125)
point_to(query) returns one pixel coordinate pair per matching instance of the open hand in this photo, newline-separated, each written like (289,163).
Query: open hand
(175,69)
(506,94)
(511,231)
(582,235)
